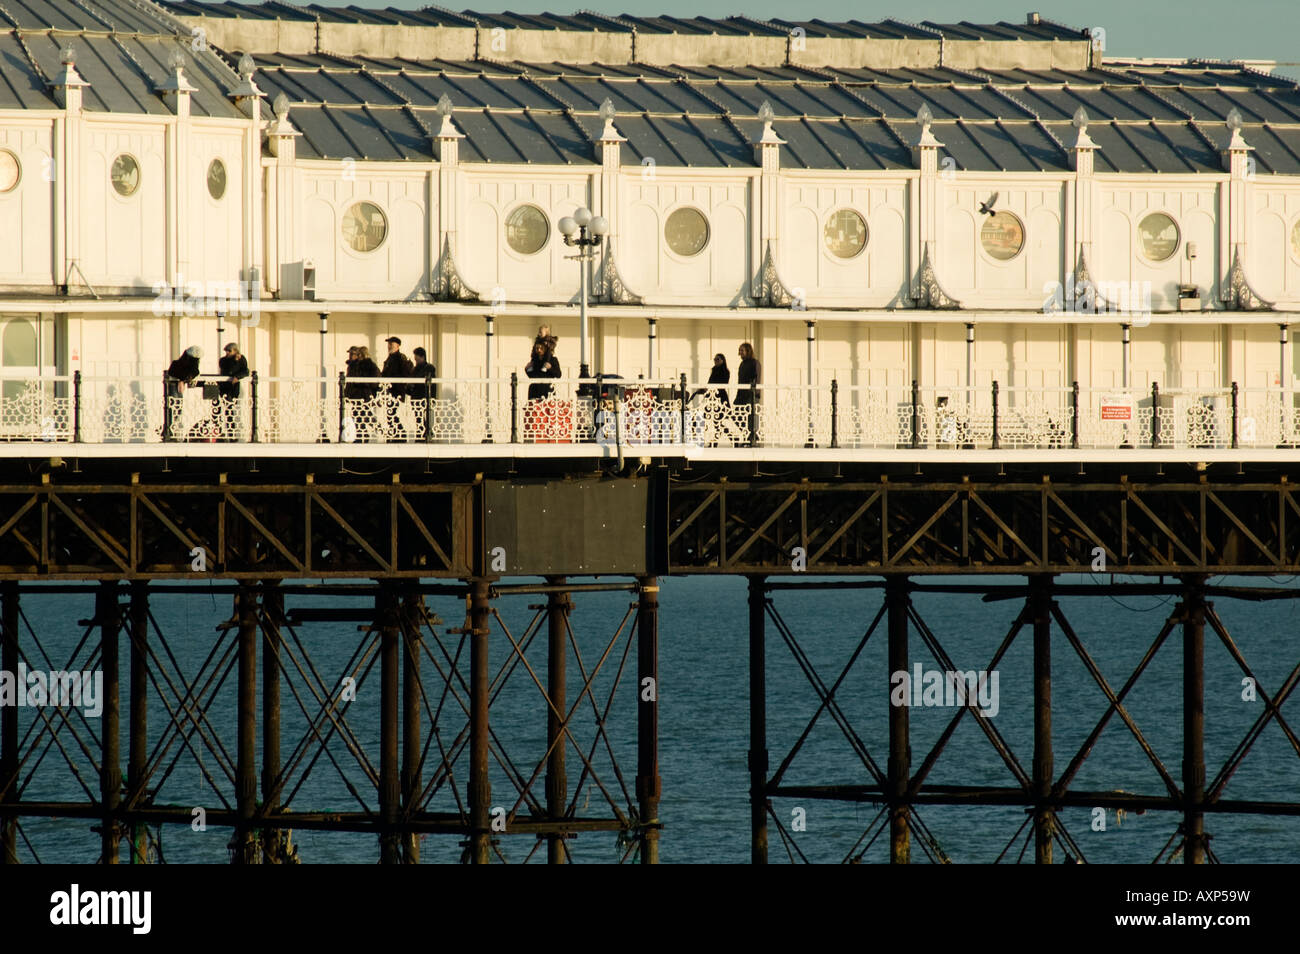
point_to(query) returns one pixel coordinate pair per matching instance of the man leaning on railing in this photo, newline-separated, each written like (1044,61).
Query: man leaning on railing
(233,367)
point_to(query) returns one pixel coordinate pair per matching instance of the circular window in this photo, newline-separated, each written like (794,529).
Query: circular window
(1003,236)
(364,226)
(846,234)
(216,178)
(125,174)
(687,231)
(1158,236)
(527,229)
(10,171)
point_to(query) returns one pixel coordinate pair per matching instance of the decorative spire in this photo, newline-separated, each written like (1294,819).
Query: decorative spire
(1236,143)
(282,130)
(68,76)
(1083,140)
(607,112)
(447,129)
(246,88)
(765,116)
(176,81)
(924,118)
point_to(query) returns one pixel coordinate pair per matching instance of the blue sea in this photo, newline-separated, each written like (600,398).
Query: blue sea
(703,693)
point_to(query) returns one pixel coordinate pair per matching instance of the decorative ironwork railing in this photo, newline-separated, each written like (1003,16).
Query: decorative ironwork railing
(613,411)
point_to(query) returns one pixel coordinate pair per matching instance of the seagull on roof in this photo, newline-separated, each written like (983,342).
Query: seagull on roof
(986,207)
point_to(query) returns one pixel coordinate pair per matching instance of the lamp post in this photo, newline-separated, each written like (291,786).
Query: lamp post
(585,232)
(324,377)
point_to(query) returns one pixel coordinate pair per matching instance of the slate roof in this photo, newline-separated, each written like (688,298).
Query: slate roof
(625,23)
(1145,118)
(121,47)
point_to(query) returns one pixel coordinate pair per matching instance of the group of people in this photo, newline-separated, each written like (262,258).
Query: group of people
(231,369)
(396,365)
(747,376)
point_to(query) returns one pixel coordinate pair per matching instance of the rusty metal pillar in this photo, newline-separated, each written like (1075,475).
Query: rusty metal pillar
(9,723)
(413,614)
(273,842)
(899,768)
(138,746)
(480,787)
(757,723)
(110,771)
(649,787)
(1194,719)
(1040,611)
(244,845)
(558,605)
(390,783)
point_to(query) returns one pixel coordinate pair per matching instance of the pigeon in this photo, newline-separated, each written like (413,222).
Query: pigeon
(986,207)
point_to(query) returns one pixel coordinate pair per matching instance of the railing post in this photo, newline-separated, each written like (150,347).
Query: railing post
(753,415)
(1155,414)
(1234,415)
(835,410)
(1074,416)
(76,407)
(683,385)
(995,444)
(342,384)
(916,431)
(428,407)
(514,407)
(167,411)
(253,408)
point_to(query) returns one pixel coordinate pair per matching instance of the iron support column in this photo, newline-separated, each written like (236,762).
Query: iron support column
(244,848)
(273,847)
(390,786)
(9,724)
(1194,720)
(138,752)
(412,632)
(480,787)
(557,784)
(757,723)
(900,752)
(110,772)
(648,784)
(1040,610)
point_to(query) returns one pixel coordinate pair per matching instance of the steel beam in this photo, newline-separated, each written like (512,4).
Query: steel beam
(138,752)
(1039,607)
(390,783)
(273,839)
(1193,608)
(413,616)
(8,724)
(110,771)
(758,801)
(900,750)
(480,786)
(557,785)
(648,785)
(244,849)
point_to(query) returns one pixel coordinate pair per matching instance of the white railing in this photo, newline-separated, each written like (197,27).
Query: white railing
(635,413)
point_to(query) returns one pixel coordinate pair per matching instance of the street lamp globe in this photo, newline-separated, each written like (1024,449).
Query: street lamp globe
(599,225)
(567,226)
(582,215)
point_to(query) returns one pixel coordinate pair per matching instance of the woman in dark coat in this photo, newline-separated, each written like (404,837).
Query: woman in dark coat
(747,373)
(720,374)
(363,366)
(542,364)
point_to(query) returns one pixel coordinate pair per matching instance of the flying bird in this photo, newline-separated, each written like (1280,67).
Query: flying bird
(986,207)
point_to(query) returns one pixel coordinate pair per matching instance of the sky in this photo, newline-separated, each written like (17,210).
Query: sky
(1212,29)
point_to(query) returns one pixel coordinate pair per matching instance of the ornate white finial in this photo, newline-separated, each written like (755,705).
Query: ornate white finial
(1234,119)
(444,106)
(280,106)
(246,66)
(447,130)
(766,113)
(924,117)
(1081,119)
(68,56)
(607,112)
(176,61)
